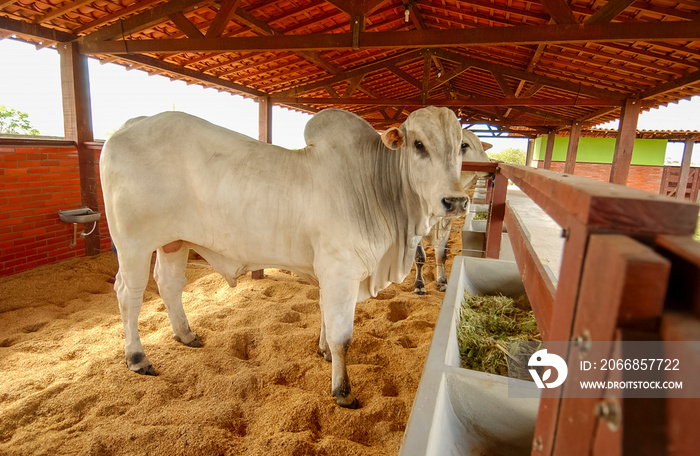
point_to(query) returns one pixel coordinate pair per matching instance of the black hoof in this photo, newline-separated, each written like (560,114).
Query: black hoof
(352,405)
(196,342)
(325,355)
(146,370)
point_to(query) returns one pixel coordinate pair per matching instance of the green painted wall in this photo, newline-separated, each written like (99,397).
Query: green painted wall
(601,150)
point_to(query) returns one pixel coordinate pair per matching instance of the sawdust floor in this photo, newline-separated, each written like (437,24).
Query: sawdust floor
(257,387)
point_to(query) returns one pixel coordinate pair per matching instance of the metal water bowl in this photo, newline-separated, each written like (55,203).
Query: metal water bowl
(81,215)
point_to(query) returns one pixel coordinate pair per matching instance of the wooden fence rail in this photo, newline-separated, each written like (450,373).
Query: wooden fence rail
(630,271)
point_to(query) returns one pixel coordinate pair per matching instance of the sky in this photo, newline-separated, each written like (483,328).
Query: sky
(33,85)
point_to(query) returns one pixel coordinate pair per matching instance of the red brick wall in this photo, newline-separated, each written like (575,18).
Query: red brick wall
(643,177)
(35,183)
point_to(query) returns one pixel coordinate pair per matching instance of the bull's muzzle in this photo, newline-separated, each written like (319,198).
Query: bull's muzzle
(455,206)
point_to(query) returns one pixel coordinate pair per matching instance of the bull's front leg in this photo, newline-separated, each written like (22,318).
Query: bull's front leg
(338,300)
(442,238)
(440,258)
(419,288)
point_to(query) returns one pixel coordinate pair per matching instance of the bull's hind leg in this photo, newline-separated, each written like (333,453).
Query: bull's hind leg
(420,262)
(130,284)
(169,273)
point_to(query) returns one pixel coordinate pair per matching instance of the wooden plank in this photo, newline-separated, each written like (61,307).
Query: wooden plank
(682,187)
(416,39)
(494,225)
(572,148)
(560,328)
(549,150)
(624,144)
(484,167)
(683,438)
(538,285)
(77,121)
(530,151)
(623,285)
(601,206)
(684,253)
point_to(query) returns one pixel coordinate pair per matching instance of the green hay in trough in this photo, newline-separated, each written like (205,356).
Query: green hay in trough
(481,216)
(488,325)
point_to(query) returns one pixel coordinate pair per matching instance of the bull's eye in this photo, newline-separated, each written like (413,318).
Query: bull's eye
(465,146)
(420,149)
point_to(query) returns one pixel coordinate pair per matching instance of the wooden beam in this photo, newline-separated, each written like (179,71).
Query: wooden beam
(685,168)
(624,144)
(503,84)
(367,69)
(186,72)
(143,20)
(425,84)
(264,135)
(572,148)
(559,11)
(403,75)
(609,11)
(26,28)
(568,33)
(77,122)
(506,102)
(526,75)
(185,25)
(265,119)
(223,17)
(549,150)
(690,78)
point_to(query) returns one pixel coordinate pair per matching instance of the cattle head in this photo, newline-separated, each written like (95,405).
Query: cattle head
(475,151)
(430,141)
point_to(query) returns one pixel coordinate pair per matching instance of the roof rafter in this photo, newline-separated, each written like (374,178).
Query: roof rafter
(576,33)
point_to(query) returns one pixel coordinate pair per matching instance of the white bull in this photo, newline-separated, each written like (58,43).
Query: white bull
(346,212)
(475,150)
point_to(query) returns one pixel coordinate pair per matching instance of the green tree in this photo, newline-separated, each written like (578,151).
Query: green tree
(15,122)
(510,155)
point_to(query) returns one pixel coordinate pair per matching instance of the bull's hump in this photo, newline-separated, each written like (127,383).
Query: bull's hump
(337,126)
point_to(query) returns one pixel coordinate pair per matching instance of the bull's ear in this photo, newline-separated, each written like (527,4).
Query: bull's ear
(392,138)
(486,145)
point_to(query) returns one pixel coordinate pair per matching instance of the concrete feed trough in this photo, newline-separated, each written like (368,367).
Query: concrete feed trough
(460,411)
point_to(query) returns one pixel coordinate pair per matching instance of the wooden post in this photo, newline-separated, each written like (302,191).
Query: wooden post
(572,149)
(530,151)
(77,121)
(549,150)
(264,135)
(625,142)
(265,119)
(685,168)
(494,225)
